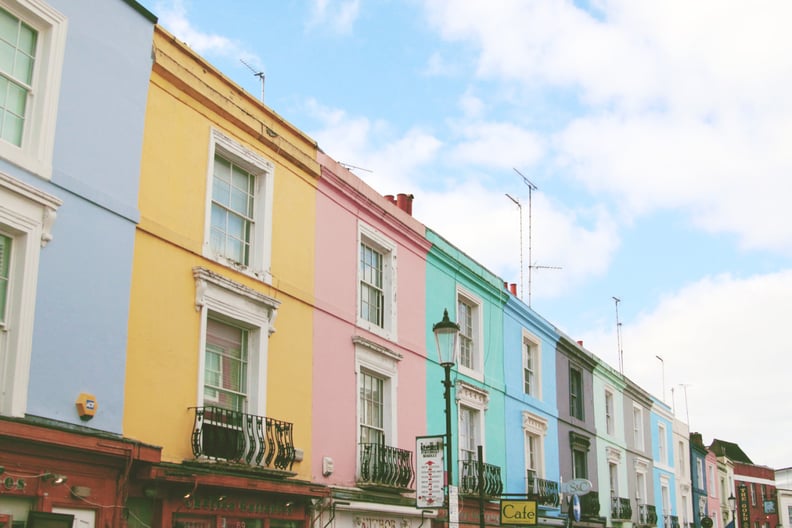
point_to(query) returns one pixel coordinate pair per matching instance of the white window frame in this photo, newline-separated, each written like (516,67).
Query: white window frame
(26,216)
(477,309)
(638,427)
(534,427)
(700,474)
(662,444)
(38,135)
(475,399)
(640,486)
(381,362)
(228,300)
(377,240)
(532,345)
(259,265)
(610,411)
(665,497)
(711,477)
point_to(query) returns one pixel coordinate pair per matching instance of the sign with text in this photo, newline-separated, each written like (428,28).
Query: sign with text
(518,512)
(430,471)
(576,487)
(742,501)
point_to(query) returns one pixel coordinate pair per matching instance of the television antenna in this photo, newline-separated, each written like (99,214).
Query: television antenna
(531,265)
(618,336)
(519,206)
(259,74)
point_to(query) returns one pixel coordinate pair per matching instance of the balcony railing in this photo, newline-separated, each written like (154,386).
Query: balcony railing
(674,521)
(647,515)
(621,509)
(590,504)
(545,492)
(469,484)
(381,465)
(233,436)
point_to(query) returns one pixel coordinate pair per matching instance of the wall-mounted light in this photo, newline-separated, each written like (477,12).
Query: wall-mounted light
(190,493)
(54,478)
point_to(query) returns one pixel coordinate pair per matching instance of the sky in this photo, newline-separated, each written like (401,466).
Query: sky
(626,163)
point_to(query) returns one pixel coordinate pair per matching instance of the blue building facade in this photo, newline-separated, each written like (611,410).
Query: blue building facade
(76,78)
(531,410)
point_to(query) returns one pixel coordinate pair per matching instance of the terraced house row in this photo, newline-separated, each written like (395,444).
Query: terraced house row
(206,321)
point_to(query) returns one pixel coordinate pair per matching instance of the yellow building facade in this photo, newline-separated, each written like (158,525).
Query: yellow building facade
(220,329)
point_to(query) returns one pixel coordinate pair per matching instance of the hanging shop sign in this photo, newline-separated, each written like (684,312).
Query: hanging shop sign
(430,471)
(521,512)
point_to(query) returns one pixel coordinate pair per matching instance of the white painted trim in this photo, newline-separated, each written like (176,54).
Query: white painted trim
(264,172)
(243,306)
(536,343)
(38,138)
(26,216)
(382,362)
(388,248)
(477,372)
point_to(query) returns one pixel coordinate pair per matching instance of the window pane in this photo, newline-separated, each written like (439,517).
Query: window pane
(5,266)
(225,365)
(7,53)
(12,129)
(232,210)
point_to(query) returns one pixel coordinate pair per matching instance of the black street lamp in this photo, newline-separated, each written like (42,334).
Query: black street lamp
(733,508)
(446,332)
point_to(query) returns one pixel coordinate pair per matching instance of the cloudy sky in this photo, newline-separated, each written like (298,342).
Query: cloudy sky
(656,136)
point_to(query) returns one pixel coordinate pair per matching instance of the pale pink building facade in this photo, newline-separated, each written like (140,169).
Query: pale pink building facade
(369,350)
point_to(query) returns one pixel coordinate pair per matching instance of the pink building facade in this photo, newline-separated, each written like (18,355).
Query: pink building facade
(369,351)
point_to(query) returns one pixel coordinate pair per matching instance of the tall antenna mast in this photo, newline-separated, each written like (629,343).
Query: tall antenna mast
(519,205)
(618,337)
(531,266)
(259,74)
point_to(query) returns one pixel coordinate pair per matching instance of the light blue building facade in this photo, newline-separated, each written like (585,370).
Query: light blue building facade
(664,475)
(69,171)
(531,410)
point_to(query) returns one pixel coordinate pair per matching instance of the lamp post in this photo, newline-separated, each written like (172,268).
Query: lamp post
(446,332)
(733,508)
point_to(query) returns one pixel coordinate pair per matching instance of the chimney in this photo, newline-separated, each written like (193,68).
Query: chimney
(391,198)
(580,343)
(404,202)
(695,438)
(513,288)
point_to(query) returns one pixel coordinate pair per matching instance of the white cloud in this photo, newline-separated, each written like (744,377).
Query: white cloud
(337,16)
(497,145)
(684,106)
(173,16)
(725,333)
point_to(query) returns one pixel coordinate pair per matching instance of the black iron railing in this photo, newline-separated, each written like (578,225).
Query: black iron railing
(470,484)
(621,509)
(545,492)
(233,436)
(382,465)
(647,515)
(674,521)
(590,504)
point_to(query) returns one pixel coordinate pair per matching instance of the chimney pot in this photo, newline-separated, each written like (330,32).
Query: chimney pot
(580,343)
(404,202)
(513,288)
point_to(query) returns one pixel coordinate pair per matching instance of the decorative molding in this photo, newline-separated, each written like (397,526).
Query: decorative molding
(641,465)
(534,424)
(614,455)
(472,396)
(223,294)
(376,347)
(579,441)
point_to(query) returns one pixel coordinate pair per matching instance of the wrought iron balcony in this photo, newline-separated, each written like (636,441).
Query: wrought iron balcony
(590,504)
(621,509)
(491,485)
(647,515)
(385,466)
(545,492)
(674,521)
(233,436)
